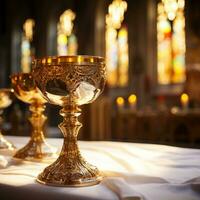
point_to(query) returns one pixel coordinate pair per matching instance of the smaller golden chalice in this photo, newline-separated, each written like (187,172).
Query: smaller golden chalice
(25,90)
(6,96)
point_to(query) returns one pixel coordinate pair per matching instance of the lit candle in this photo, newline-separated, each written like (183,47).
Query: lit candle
(120,102)
(184,101)
(132,100)
(49,60)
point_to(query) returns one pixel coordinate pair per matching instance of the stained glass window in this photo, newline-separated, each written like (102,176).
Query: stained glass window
(111,56)
(171,42)
(116,45)
(27,50)
(66,40)
(123,56)
(178,44)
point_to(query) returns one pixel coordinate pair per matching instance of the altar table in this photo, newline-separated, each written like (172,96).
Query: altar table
(132,171)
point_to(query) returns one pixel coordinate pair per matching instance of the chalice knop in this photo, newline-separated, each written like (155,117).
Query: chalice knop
(70,81)
(6,96)
(37,147)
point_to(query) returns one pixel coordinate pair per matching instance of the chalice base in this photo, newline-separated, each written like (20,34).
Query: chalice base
(71,173)
(36,151)
(5,144)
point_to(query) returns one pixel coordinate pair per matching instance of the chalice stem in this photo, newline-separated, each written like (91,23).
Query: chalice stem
(70,168)
(4,144)
(1,122)
(70,128)
(37,147)
(37,120)
(1,135)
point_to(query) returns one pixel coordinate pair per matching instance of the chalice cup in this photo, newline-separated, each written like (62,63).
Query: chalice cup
(70,81)
(6,97)
(37,148)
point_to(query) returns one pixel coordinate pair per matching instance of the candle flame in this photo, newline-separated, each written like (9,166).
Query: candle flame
(120,101)
(184,98)
(132,99)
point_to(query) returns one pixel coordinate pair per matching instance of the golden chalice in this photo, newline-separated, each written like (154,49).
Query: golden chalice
(25,90)
(70,81)
(6,96)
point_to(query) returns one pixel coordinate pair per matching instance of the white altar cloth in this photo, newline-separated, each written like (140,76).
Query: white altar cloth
(132,171)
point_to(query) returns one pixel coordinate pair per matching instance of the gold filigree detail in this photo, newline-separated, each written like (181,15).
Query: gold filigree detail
(69,82)
(72,75)
(70,168)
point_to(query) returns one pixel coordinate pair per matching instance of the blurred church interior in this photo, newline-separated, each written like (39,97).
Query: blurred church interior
(152,52)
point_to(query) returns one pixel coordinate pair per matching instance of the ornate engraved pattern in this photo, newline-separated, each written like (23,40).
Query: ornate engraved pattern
(70,169)
(70,74)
